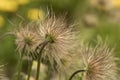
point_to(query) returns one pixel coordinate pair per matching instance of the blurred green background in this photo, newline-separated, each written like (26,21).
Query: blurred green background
(96,19)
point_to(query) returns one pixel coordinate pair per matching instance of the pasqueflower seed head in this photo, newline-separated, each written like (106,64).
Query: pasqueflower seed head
(99,63)
(61,39)
(27,39)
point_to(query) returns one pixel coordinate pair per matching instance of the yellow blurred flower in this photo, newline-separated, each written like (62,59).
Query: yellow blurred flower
(116,3)
(23,2)
(1,21)
(8,5)
(34,70)
(34,65)
(31,78)
(102,4)
(33,14)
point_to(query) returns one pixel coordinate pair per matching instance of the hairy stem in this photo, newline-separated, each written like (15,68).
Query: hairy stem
(39,60)
(20,64)
(19,68)
(6,35)
(48,72)
(30,62)
(75,73)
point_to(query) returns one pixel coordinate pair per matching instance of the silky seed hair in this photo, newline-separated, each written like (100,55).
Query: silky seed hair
(99,63)
(2,73)
(61,39)
(3,76)
(27,39)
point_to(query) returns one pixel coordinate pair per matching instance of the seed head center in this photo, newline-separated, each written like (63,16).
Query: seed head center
(50,38)
(28,41)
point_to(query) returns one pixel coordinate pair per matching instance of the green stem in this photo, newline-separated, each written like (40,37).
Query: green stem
(30,62)
(39,60)
(38,68)
(20,64)
(76,72)
(48,73)
(19,68)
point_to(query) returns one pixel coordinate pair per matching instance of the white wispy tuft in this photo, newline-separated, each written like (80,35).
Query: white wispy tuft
(27,39)
(99,63)
(61,39)
(2,73)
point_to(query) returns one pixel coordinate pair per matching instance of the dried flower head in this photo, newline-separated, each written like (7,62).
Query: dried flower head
(99,63)
(26,39)
(61,39)
(2,74)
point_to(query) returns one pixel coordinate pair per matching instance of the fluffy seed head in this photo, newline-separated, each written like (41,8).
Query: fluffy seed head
(99,63)
(2,73)
(61,39)
(26,39)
